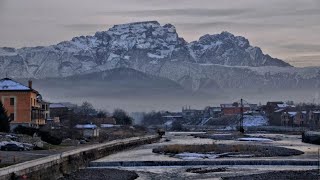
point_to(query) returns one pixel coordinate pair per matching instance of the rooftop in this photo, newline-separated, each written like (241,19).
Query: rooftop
(57,105)
(7,84)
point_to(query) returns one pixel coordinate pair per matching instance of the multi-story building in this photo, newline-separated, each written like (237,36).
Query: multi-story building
(23,103)
(295,119)
(314,119)
(234,109)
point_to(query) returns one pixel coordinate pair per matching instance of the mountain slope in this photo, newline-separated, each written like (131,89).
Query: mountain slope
(217,61)
(130,45)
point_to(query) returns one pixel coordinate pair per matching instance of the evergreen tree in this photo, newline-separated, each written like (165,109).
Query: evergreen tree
(4,119)
(121,117)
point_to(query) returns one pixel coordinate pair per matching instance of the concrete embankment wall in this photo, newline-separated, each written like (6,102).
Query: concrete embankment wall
(55,166)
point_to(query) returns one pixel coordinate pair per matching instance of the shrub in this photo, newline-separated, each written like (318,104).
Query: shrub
(25,130)
(45,135)
(4,119)
(122,117)
(176,126)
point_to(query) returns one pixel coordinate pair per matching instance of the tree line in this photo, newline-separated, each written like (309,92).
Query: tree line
(77,115)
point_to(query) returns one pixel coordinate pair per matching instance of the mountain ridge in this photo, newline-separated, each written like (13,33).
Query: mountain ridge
(214,61)
(129,45)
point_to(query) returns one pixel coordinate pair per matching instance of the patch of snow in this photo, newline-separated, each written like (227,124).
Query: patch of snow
(155,56)
(2,143)
(194,156)
(86,126)
(144,45)
(8,52)
(255,139)
(8,84)
(254,120)
(279,110)
(108,125)
(154,62)
(204,121)
(282,105)
(229,128)
(168,123)
(112,56)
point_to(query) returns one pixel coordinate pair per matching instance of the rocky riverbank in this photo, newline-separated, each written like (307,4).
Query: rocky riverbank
(101,174)
(279,175)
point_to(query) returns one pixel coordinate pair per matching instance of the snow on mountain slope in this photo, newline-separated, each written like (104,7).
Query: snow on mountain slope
(220,61)
(227,49)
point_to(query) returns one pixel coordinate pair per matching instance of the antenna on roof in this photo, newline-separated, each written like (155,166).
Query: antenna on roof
(6,74)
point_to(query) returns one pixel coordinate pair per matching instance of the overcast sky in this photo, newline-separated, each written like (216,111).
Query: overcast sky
(286,29)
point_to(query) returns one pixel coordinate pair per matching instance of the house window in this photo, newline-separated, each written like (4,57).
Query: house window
(12,117)
(11,101)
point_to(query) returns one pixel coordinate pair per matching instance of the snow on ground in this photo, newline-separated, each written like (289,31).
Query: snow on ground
(255,139)
(2,143)
(254,120)
(204,121)
(168,123)
(250,121)
(155,56)
(193,156)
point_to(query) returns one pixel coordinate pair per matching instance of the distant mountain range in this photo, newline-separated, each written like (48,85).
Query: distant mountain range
(146,55)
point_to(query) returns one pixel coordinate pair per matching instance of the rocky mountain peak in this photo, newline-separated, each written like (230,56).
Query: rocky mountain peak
(134,45)
(227,49)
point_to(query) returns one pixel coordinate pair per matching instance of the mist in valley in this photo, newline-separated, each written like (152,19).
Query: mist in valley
(136,96)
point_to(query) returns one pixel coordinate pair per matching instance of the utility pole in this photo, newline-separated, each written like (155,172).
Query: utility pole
(241,129)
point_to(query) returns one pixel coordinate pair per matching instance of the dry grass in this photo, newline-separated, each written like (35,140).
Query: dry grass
(206,170)
(179,148)
(256,150)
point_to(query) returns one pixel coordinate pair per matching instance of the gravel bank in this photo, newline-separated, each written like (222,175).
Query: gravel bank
(101,174)
(279,175)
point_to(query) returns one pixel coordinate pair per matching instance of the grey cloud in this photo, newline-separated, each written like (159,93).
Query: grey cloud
(85,26)
(302,47)
(195,12)
(303,61)
(2,6)
(230,24)
(303,12)
(309,58)
(287,13)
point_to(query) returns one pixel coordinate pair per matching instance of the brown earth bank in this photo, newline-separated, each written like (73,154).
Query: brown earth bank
(248,149)
(101,174)
(230,136)
(279,175)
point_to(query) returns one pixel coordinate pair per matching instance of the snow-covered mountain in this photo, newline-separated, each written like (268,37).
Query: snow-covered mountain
(214,61)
